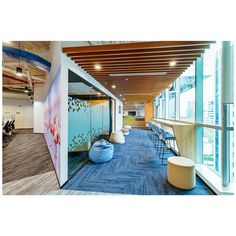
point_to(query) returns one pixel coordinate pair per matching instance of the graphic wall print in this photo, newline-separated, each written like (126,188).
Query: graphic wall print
(78,125)
(87,120)
(52,121)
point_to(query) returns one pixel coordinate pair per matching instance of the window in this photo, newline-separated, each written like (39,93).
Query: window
(211,84)
(172,101)
(162,106)
(171,104)
(187,94)
(212,149)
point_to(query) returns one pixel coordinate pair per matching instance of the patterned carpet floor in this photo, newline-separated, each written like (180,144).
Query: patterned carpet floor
(135,169)
(25,156)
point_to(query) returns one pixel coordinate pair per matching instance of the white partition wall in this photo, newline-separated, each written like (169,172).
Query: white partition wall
(38,107)
(66,65)
(20,110)
(54,107)
(56,89)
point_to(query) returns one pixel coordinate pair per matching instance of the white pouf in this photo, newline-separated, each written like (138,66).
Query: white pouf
(181,172)
(125,131)
(127,127)
(117,137)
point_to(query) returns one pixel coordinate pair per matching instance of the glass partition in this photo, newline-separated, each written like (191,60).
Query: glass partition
(89,119)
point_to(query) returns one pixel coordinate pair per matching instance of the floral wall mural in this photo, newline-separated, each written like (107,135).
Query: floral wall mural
(87,120)
(52,121)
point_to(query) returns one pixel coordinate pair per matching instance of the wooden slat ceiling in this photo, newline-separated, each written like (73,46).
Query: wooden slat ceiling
(137,57)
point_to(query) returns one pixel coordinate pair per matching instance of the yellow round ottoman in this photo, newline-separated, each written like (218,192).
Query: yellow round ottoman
(181,172)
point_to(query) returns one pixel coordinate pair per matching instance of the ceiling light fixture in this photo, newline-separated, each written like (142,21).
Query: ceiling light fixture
(97,67)
(26,89)
(18,71)
(113,86)
(139,74)
(172,63)
(126,79)
(18,68)
(120,95)
(123,99)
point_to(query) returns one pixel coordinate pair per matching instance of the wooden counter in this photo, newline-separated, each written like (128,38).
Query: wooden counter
(185,135)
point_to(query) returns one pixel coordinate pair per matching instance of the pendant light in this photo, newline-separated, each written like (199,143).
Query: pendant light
(19,68)
(18,71)
(26,89)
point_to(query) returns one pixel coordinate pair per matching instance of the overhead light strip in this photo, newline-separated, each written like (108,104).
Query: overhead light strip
(139,74)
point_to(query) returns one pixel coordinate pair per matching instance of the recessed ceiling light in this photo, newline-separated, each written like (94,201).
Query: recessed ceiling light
(123,99)
(120,95)
(113,86)
(126,79)
(172,63)
(97,67)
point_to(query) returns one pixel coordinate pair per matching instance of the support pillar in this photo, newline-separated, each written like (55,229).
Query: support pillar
(227,99)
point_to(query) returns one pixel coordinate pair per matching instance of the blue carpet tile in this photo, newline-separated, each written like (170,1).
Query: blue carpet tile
(135,169)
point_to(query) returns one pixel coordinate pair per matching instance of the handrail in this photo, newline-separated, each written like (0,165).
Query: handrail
(209,126)
(194,123)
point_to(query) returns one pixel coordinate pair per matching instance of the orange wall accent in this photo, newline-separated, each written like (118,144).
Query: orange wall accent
(148,111)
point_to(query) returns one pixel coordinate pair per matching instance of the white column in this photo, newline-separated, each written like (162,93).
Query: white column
(38,108)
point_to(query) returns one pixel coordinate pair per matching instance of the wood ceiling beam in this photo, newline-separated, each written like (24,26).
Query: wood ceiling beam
(13,78)
(105,65)
(122,78)
(78,56)
(143,69)
(153,60)
(107,75)
(129,46)
(164,55)
(147,58)
(129,71)
(200,49)
(138,66)
(143,82)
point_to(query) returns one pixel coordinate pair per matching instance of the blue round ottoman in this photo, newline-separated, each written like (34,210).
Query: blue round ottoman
(101,151)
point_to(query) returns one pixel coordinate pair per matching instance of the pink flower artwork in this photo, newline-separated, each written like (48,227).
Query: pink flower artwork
(52,121)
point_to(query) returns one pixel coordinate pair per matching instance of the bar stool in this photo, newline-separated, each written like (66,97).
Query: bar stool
(153,133)
(166,137)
